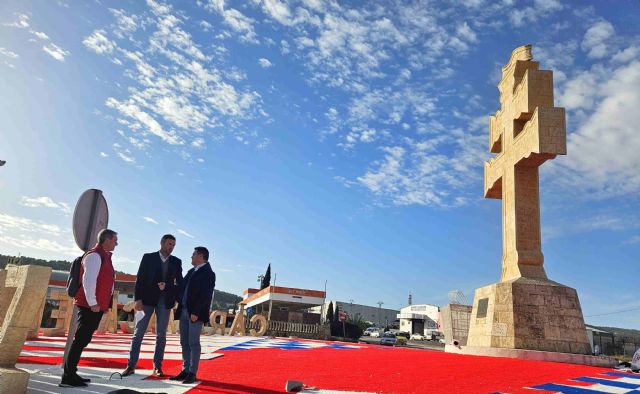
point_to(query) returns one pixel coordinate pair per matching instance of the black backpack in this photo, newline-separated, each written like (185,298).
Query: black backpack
(75,281)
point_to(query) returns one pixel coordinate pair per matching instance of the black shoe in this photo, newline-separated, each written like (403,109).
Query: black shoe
(181,376)
(85,380)
(191,378)
(158,372)
(128,371)
(71,381)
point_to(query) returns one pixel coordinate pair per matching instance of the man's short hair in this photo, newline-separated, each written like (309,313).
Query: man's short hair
(202,251)
(167,236)
(105,235)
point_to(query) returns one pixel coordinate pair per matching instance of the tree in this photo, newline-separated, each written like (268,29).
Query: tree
(329,317)
(336,316)
(266,280)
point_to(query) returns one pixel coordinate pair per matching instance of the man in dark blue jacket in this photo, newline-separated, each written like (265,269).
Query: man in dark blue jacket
(193,310)
(157,287)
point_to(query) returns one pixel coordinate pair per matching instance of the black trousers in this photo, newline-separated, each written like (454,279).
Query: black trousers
(88,322)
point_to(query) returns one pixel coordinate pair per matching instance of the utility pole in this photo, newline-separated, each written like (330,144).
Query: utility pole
(379,312)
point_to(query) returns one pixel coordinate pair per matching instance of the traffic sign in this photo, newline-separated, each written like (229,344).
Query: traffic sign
(89,218)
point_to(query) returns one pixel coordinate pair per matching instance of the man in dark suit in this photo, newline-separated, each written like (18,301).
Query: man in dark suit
(193,311)
(157,286)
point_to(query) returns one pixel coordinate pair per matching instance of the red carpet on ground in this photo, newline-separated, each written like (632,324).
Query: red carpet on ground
(376,369)
(252,365)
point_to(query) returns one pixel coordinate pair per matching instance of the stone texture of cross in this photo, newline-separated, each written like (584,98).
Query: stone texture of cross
(527,131)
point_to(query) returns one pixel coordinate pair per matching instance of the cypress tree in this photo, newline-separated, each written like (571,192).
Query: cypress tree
(329,316)
(266,280)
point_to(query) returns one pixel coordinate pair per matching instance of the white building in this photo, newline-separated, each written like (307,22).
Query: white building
(419,319)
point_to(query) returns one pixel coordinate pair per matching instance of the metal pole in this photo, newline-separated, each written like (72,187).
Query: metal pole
(324,299)
(275,277)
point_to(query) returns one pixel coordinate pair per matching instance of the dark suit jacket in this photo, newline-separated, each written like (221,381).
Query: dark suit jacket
(200,292)
(150,274)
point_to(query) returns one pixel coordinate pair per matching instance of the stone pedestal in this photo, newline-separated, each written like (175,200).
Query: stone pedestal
(22,289)
(533,314)
(455,323)
(13,380)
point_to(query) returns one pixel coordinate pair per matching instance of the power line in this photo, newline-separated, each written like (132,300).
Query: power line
(613,313)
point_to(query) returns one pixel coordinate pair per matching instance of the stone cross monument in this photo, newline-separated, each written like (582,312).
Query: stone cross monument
(525,310)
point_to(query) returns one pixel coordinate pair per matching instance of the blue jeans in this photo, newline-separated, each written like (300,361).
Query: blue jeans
(162,321)
(190,342)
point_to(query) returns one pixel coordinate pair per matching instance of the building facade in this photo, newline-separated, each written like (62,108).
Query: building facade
(419,319)
(374,315)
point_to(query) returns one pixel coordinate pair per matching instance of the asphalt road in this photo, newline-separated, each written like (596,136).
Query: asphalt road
(428,345)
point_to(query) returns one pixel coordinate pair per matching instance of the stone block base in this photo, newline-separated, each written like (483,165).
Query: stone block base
(13,380)
(532,314)
(595,361)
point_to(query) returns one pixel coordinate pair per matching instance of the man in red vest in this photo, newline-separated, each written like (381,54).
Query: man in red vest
(93,299)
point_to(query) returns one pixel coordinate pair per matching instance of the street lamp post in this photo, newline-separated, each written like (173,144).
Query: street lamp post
(379,312)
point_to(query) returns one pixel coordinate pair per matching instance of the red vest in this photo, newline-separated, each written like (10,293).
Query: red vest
(104,282)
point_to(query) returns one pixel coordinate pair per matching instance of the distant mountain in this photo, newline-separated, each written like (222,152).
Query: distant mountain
(223,300)
(60,265)
(621,332)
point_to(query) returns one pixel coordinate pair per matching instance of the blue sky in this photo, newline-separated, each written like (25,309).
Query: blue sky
(338,141)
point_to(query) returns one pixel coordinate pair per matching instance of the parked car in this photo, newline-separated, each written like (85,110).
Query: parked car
(393,339)
(435,336)
(375,334)
(417,337)
(388,339)
(369,330)
(401,339)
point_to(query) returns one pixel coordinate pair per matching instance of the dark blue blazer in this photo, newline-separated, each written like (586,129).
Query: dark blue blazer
(199,293)
(150,274)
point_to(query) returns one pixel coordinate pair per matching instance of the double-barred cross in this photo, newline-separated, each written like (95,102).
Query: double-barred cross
(527,131)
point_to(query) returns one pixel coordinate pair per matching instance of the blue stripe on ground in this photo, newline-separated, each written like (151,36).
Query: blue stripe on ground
(559,388)
(623,375)
(607,382)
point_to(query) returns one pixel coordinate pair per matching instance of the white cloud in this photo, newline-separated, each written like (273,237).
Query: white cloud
(99,43)
(125,24)
(264,63)
(149,220)
(633,240)
(21,23)
(186,234)
(464,32)
(198,143)
(596,38)
(236,20)
(603,152)
(175,91)
(277,10)
(46,202)
(22,224)
(124,154)
(8,53)
(56,52)
(40,35)
(41,244)
(626,55)
(142,118)
(103,155)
